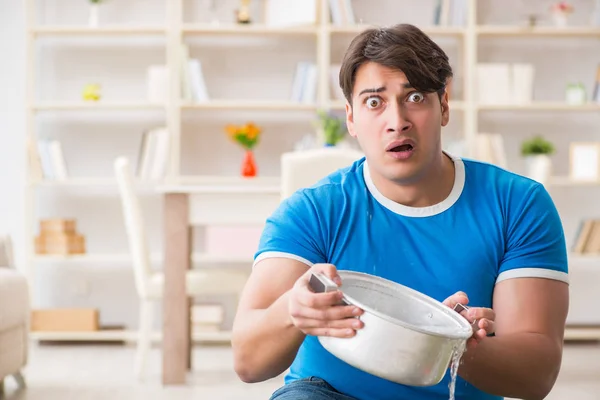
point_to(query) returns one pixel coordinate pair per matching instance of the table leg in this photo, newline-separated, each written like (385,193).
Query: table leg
(190,338)
(176,323)
(190,303)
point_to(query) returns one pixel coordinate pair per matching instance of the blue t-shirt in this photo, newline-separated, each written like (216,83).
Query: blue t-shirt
(494,225)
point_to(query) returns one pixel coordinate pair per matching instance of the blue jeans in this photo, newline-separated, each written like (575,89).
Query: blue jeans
(312,388)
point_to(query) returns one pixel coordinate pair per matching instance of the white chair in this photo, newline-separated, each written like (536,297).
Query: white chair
(300,169)
(149,284)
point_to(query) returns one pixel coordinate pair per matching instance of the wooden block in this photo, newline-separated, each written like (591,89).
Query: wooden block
(39,245)
(65,320)
(57,225)
(60,244)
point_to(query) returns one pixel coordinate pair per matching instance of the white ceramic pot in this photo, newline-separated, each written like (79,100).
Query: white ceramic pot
(93,15)
(539,168)
(560,19)
(408,337)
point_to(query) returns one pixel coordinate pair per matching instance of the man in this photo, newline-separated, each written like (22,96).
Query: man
(457,230)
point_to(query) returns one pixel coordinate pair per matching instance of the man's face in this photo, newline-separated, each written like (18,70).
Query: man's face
(397,127)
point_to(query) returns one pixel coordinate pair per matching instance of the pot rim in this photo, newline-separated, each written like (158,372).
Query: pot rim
(463,322)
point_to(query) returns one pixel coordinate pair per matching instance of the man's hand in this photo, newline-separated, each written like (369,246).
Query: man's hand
(320,314)
(481,318)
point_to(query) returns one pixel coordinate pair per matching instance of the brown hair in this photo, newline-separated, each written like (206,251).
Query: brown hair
(403,47)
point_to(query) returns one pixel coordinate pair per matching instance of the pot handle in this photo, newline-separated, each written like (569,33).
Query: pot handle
(320,283)
(460,308)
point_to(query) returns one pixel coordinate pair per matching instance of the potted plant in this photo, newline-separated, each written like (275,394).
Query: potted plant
(537,151)
(247,136)
(331,127)
(560,13)
(93,17)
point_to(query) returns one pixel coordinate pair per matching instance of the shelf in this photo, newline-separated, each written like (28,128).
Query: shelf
(539,106)
(571,333)
(582,333)
(341,105)
(223,185)
(79,31)
(108,336)
(103,106)
(123,336)
(249,105)
(432,30)
(212,184)
(89,182)
(252,29)
(227,180)
(116,258)
(585,258)
(536,31)
(568,181)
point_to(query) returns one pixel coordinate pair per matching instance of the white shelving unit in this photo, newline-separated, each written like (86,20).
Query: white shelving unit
(99,31)
(324,36)
(122,336)
(104,106)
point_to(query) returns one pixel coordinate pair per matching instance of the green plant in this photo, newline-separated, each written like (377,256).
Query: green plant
(333,127)
(536,145)
(96,1)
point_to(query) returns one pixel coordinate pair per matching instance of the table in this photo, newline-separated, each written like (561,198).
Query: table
(186,205)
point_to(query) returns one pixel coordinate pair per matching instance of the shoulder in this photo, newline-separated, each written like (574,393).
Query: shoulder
(518,196)
(499,180)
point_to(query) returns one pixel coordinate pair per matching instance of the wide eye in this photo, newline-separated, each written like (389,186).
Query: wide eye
(373,102)
(416,97)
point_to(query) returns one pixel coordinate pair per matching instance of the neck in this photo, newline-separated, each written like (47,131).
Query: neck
(431,187)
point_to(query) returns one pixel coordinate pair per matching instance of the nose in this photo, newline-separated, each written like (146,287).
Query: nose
(397,120)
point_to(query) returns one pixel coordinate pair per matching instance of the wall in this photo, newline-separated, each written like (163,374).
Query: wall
(12,122)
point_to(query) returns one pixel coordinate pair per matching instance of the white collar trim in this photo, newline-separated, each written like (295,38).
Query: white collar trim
(459,184)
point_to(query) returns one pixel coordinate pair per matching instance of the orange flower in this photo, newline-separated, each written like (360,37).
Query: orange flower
(252,131)
(246,135)
(231,130)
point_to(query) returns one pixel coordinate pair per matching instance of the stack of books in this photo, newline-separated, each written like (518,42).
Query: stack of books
(587,238)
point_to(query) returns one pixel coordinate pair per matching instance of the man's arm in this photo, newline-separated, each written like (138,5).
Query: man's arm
(524,358)
(265,341)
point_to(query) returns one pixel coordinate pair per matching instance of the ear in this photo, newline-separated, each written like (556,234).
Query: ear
(350,120)
(445,109)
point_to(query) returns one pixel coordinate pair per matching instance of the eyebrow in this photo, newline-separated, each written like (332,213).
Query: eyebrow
(383,89)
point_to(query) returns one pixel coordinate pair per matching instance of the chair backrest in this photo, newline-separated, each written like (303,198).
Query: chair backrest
(134,225)
(300,169)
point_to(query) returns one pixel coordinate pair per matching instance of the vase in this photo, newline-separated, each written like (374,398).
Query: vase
(249,167)
(539,168)
(560,19)
(93,16)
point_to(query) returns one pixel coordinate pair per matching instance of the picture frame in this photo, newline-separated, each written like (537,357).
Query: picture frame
(584,160)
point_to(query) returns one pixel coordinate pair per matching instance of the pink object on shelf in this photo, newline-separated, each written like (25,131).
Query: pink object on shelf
(231,240)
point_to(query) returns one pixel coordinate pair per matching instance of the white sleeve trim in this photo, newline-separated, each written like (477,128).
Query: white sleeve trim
(533,273)
(279,254)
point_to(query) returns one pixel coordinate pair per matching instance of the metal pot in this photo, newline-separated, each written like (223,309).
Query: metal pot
(408,337)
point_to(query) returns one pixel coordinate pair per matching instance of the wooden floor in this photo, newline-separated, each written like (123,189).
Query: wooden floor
(105,372)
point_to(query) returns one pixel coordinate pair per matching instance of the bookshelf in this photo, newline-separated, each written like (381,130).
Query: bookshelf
(542,106)
(537,31)
(189,122)
(100,31)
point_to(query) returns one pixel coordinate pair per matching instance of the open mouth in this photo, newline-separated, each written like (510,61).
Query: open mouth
(401,148)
